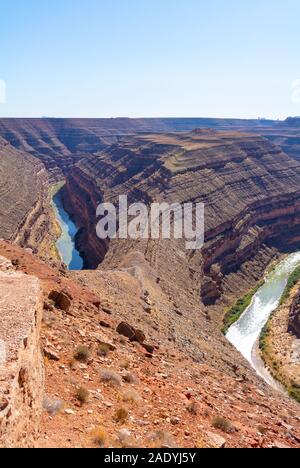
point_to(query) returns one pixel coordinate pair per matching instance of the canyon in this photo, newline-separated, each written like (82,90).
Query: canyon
(248,175)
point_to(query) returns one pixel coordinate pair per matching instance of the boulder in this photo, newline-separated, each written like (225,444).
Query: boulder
(61,300)
(149,348)
(50,354)
(126,330)
(216,441)
(139,336)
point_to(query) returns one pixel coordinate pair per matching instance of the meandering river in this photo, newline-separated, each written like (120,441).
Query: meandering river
(244,334)
(66,242)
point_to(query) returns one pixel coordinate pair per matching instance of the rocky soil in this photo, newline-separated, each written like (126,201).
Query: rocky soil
(103,389)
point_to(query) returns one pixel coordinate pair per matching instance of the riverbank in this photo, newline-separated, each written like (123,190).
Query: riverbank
(279,349)
(65,243)
(55,226)
(236,311)
(245,333)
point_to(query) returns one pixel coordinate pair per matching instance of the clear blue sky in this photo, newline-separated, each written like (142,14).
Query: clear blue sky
(103,58)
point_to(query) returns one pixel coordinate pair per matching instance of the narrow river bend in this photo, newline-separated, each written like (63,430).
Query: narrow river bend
(244,334)
(66,242)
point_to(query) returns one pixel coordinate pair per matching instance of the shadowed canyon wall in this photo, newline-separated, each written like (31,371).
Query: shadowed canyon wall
(24,192)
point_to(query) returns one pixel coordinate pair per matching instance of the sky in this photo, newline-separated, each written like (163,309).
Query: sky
(150,58)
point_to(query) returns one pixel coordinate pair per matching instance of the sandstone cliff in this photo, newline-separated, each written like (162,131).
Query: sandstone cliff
(21,363)
(249,186)
(24,200)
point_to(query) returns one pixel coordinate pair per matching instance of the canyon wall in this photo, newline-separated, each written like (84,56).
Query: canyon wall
(59,143)
(24,199)
(249,186)
(21,363)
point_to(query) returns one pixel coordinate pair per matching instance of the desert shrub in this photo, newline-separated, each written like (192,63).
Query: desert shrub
(121,415)
(125,439)
(125,365)
(82,353)
(192,408)
(110,377)
(294,392)
(53,406)
(159,439)
(82,395)
(129,378)
(103,349)
(262,430)
(73,364)
(131,396)
(99,436)
(223,424)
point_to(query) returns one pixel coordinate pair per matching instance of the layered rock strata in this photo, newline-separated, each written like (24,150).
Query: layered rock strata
(24,199)
(59,143)
(250,189)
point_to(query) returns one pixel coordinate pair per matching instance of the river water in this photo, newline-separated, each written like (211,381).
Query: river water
(66,242)
(244,334)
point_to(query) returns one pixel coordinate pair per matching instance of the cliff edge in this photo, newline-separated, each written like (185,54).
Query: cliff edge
(21,364)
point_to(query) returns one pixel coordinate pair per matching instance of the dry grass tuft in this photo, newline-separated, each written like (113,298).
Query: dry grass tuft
(82,354)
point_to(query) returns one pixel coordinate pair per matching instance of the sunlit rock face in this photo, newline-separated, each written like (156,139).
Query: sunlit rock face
(250,189)
(21,362)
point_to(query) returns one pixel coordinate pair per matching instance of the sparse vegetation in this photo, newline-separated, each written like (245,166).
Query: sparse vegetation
(262,430)
(110,377)
(53,406)
(192,408)
(125,439)
(131,396)
(294,278)
(129,378)
(82,395)
(99,436)
(121,415)
(82,354)
(264,335)
(235,312)
(294,392)
(125,365)
(103,349)
(160,439)
(223,424)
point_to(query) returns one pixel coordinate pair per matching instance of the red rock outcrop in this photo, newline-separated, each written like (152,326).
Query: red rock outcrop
(21,362)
